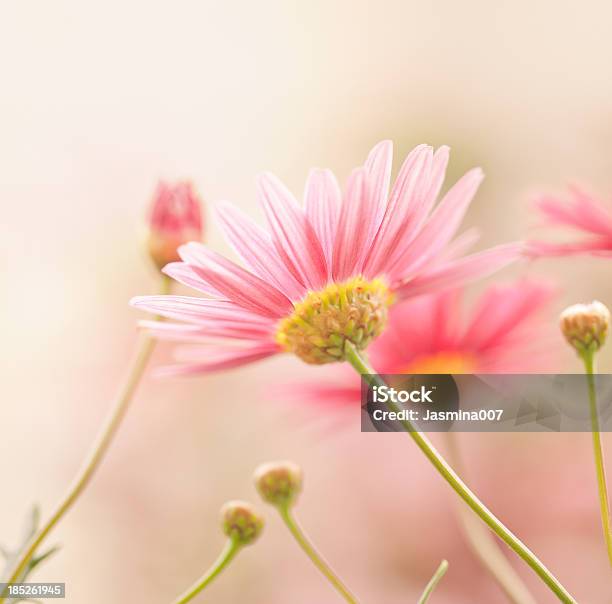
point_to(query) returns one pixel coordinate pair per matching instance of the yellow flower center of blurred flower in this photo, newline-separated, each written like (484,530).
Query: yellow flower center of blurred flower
(322,323)
(443,362)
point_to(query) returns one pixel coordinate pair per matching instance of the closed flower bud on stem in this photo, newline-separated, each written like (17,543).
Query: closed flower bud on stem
(585,326)
(242,525)
(175,219)
(279,483)
(240,522)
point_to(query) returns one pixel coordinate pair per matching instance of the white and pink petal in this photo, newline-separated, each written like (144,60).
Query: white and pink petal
(292,233)
(322,198)
(237,284)
(404,210)
(438,230)
(459,272)
(207,359)
(255,248)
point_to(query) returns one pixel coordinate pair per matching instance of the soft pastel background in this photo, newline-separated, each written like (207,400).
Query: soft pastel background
(98,101)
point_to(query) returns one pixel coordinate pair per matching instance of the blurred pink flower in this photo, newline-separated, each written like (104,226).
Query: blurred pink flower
(500,333)
(175,219)
(433,334)
(349,258)
(582,213)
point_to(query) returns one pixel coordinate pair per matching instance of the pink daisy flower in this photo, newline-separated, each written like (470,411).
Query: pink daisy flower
(175,219)
(326,272)
(500,333)
(582,213)
(497,334)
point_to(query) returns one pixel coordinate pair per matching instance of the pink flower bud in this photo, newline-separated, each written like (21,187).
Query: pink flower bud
(175,219)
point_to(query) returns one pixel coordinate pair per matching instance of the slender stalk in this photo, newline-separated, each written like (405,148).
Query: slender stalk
(96,453)
(361,365)
(312,553)
(604,506)
(483,543)
(232,547)
(433,582)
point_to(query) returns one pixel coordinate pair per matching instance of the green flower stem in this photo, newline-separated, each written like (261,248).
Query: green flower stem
(232,547)
(96,453)
(312,553)
(604,507)
(361,365)
(483,543)
(433,582)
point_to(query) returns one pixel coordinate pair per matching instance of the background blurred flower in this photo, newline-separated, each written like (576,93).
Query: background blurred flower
(176,218)
(497,334)
(583,213)
(344,262)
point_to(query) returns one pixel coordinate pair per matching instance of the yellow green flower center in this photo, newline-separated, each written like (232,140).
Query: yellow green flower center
(322,323)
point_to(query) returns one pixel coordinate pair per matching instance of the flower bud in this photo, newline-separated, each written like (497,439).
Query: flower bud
(175,219)
(585,326)
(279,483)
(241,522)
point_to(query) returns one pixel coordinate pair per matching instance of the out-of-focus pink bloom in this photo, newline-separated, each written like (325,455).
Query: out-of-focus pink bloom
(175,219)
(325,272)
(582,213)
(434,334)
(500,333)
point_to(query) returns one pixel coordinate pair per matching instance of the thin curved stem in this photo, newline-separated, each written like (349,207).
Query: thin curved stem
(433,582)
(312,553)
(483,543)
(232,547)
(602,488)
(361,365)
(96,453)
